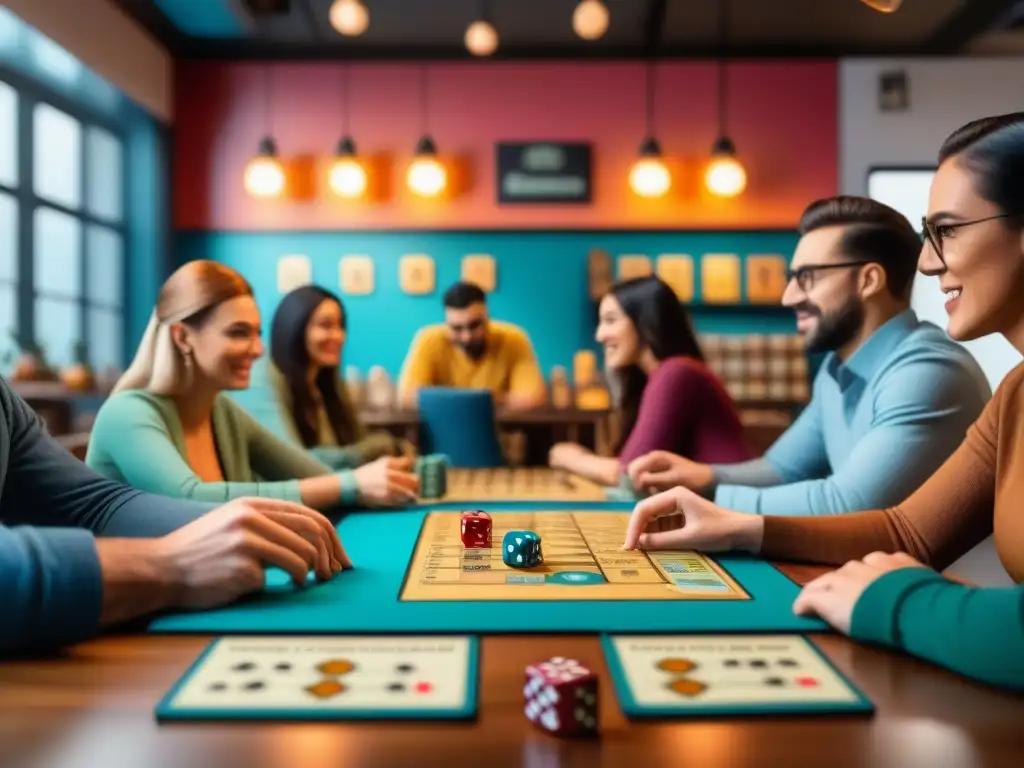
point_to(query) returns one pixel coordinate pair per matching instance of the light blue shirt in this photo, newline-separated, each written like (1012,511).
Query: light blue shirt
(876,427)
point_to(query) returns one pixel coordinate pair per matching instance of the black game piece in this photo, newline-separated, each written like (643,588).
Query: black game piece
(788,663)
(396,687)
(219,687)
(759,663)
(283,666)
(255,685)
(731,663)
(404,668)
(245,666)
(774,681)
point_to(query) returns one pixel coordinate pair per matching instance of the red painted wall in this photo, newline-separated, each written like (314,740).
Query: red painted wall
(782,116)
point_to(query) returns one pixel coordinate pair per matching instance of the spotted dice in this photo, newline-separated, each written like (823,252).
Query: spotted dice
(521,549)
(561,697)
(476,529)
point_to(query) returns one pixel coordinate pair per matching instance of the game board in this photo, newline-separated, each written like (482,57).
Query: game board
(583,560)
(367,599)
(519,484)
(328,678)
(714,675)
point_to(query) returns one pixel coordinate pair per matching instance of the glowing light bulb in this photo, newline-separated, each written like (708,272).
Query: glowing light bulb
(347,177)
(590,19)
(264,175)
(481,38)
(349,17)
(884,6)
(649,177)
(725,177)
(427,177)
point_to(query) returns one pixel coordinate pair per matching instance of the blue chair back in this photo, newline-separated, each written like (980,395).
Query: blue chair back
(460,423)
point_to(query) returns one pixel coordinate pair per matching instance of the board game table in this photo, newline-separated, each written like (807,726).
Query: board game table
(93,706)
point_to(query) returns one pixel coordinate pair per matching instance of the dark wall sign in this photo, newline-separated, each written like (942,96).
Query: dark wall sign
(544,172)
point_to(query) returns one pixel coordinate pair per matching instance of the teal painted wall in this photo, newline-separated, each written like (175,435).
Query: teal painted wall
(541,280)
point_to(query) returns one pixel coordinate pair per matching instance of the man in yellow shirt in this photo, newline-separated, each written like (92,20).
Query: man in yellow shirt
(470,351)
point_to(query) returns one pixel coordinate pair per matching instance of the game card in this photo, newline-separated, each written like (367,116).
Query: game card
(328,678)
(725,675)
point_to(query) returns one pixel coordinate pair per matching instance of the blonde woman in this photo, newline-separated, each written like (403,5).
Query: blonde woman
(169,428)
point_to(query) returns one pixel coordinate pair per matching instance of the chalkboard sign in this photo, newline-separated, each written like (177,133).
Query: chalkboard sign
(544,172)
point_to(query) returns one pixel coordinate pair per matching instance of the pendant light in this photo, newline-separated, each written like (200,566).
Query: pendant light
(725,175)
(649,177)
(349,17)
(590,19)
(427,176)
(481,36)
(884,6)
(264,175)
(346,176)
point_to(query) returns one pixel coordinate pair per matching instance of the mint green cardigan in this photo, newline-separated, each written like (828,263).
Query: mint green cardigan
(137,439)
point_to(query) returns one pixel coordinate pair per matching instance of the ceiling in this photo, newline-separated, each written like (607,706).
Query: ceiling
(542,29)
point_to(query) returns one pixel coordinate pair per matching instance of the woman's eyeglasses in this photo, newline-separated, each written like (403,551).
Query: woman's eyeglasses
(934,233)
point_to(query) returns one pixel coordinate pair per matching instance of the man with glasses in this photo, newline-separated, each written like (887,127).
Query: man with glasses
(893,397)
(471,351)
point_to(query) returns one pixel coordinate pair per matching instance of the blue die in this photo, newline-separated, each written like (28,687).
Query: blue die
(521,549)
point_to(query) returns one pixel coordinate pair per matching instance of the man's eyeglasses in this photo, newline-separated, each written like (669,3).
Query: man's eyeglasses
(804,275)
(934,233)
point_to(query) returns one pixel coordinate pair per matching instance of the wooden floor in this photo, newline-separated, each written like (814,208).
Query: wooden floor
(94,707)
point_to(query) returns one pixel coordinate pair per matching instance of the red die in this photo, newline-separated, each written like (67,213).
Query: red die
(561,696)
(476,529)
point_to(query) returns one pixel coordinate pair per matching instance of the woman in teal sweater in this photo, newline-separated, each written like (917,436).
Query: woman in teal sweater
(886,590)
(306,341)
(169,427)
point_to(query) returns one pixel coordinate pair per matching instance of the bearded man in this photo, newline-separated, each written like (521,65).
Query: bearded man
(893,398)
(471,351)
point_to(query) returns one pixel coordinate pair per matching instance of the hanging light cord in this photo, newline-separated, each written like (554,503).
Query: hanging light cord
(723,19)
(267,110)
(345,124)
(423,99)
(650,99)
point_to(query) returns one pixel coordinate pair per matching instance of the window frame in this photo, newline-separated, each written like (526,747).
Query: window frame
(29,93)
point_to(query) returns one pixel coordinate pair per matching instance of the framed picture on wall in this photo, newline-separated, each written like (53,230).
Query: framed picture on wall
(543,172)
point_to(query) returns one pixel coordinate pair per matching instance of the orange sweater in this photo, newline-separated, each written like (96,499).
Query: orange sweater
(978,491)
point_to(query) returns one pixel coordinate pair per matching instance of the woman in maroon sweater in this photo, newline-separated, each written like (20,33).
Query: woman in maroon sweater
(668,399)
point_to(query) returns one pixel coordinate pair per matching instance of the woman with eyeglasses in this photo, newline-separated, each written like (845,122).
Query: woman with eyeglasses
(887,592)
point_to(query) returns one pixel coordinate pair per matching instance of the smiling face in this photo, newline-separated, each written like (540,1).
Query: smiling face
(325,335)
(981,269)
(226,344)
(617,334)
(829,311)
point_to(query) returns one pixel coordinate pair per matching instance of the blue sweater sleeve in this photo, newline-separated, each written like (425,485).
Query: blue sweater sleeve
(50,575)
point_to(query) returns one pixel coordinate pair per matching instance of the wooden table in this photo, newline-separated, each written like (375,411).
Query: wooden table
(94,707)
(569,421)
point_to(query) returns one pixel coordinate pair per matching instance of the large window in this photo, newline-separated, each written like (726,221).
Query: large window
(62,229)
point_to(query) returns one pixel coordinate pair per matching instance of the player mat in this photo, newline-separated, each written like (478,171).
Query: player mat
(519,484)
(328,678)
(724,675)
(583,560)
(368,598)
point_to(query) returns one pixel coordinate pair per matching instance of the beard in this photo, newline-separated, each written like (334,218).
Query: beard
(836,328)
(474,349)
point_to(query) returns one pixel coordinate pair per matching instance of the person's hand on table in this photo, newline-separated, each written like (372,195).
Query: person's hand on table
(680,519)
(562,455)
(223,555)
(379,483)
(832,596)
(660,470)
